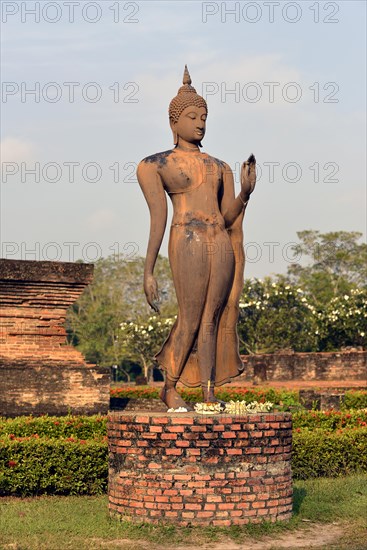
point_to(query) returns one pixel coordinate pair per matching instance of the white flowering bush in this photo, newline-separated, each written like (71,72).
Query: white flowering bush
(274,316)
(140,341)
(343,322)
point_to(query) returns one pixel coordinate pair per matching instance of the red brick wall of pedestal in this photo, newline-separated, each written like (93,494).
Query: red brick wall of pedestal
(191,469)
(40,372)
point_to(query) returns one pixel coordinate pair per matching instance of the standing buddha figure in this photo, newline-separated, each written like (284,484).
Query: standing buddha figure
(205,250)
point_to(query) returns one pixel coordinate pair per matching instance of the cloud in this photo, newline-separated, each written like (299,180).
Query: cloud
(16,150)
(101,219)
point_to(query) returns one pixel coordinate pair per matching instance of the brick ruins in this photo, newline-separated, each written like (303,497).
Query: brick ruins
(325,366)
(41,373)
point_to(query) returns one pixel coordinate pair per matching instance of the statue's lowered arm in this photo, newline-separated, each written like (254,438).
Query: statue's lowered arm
(152,187)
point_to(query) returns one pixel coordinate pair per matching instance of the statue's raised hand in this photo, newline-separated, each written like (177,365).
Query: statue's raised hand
(248,177)
(151,292)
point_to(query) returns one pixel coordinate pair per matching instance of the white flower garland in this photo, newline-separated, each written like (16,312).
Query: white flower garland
(234,407)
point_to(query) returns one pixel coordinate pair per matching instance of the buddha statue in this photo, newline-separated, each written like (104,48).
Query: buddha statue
(205,250)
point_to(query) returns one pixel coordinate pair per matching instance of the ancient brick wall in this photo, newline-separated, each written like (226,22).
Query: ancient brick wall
(333,366)
(192,469)
(34,298)
(40,373)
(55,389)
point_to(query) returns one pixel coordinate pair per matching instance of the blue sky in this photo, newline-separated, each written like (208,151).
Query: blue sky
(318,140)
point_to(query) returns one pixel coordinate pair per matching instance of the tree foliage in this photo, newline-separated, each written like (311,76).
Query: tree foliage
(115,296)
(343,322)
(338,262)
(275,316)
(141,341)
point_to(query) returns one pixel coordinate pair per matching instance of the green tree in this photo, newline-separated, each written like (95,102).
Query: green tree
(338,263)
(343,322)
(115,295)
(275,316)
(140,341)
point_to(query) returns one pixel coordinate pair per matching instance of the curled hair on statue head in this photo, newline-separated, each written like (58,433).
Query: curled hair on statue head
(186,97)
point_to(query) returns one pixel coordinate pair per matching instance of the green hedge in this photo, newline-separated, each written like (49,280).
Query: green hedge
(79,427)
(330,420)
(34,466)
(355,399)
(320,453)
(94,427)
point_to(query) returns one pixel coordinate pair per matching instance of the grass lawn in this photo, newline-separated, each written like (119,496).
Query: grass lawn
(58,523)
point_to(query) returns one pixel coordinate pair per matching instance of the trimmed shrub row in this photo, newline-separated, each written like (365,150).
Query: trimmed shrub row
(79,427)
(320,453)
(34,466)
(355,399)
(94,427)
(330,420)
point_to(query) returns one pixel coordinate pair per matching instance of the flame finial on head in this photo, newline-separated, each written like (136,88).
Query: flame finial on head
(186,77)
(186,97)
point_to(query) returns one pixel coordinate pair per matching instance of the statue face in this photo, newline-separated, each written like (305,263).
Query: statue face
(191,124)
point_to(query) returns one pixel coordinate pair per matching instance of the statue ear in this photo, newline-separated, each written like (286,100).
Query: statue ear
(173,128)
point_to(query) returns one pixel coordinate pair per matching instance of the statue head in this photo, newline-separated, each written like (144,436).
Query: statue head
(187,113)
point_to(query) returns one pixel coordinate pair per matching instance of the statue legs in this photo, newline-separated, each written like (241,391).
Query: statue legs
(203,282)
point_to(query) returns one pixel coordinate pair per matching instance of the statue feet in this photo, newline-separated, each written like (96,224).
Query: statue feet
(215,400)
(173,400)
(209,397)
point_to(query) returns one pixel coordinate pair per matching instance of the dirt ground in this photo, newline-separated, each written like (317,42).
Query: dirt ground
(314,536)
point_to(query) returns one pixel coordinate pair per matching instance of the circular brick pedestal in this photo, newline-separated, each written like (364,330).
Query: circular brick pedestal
(193,469)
